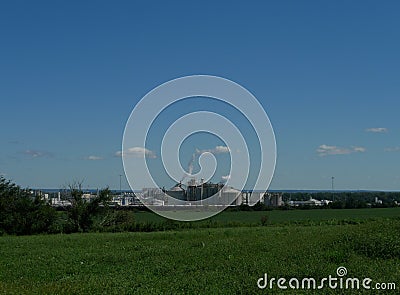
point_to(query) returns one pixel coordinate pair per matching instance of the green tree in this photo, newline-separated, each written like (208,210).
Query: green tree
(81,213)
(22,213)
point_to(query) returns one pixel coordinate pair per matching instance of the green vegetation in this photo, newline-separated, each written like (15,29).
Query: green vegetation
(225,254)
(202,261)
(357,199)
(22,214)
(280,217)
(81,213)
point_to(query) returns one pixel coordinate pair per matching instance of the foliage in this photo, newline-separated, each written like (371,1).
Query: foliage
(82,212)
(21,213)
(117,220)
(350,199)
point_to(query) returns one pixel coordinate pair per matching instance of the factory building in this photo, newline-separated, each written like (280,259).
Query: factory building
(310,202)
(273,199)
(202,193)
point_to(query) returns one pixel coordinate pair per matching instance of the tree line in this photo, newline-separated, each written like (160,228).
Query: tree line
(348,200)
(23,213)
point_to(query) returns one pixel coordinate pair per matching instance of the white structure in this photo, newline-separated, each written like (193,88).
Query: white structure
(310,202)
(57,202)
(272,199)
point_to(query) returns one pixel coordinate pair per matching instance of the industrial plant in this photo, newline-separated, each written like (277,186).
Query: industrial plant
(192,193)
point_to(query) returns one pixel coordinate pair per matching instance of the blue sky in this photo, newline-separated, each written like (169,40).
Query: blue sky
(327,74)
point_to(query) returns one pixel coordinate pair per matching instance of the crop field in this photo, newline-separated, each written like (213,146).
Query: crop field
(206,260)
(279,217)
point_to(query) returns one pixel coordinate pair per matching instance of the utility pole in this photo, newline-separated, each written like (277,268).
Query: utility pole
(333,195)
(201,191)
(120,185)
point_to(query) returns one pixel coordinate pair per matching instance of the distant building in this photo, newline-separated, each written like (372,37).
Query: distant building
(202,193)
(273,199)
(57,202)
(151,196)
(310,202)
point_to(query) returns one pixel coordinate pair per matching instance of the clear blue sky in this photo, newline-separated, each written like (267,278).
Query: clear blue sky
(326,72)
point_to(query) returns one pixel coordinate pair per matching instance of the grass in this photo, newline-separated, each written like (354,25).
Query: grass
(201,261)
(279,217)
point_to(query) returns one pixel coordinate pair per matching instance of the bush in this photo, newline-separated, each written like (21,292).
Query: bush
(81,213)
(21,213)
(118,220)
(264,220)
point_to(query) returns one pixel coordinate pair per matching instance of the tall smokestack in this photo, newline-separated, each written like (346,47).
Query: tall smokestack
(190,165)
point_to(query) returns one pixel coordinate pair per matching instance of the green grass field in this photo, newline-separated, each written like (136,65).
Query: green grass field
(278,217)
(207,261)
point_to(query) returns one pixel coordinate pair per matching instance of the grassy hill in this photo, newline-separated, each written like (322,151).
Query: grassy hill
(203,261)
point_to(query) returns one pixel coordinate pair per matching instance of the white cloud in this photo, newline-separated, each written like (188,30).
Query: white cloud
(377,130)
(359,149)
(137,152)
(393,149)
(324,150)
(33,154)
(37,154)
(225,177)
(328,150)
(219,149)
(94,158)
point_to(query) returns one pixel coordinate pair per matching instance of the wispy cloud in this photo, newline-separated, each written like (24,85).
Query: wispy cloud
(94,158)
(225,178)
(219,149)
(137,152)
(329,150)
(377,130)
(392,149)
(37,154)
(359,149)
